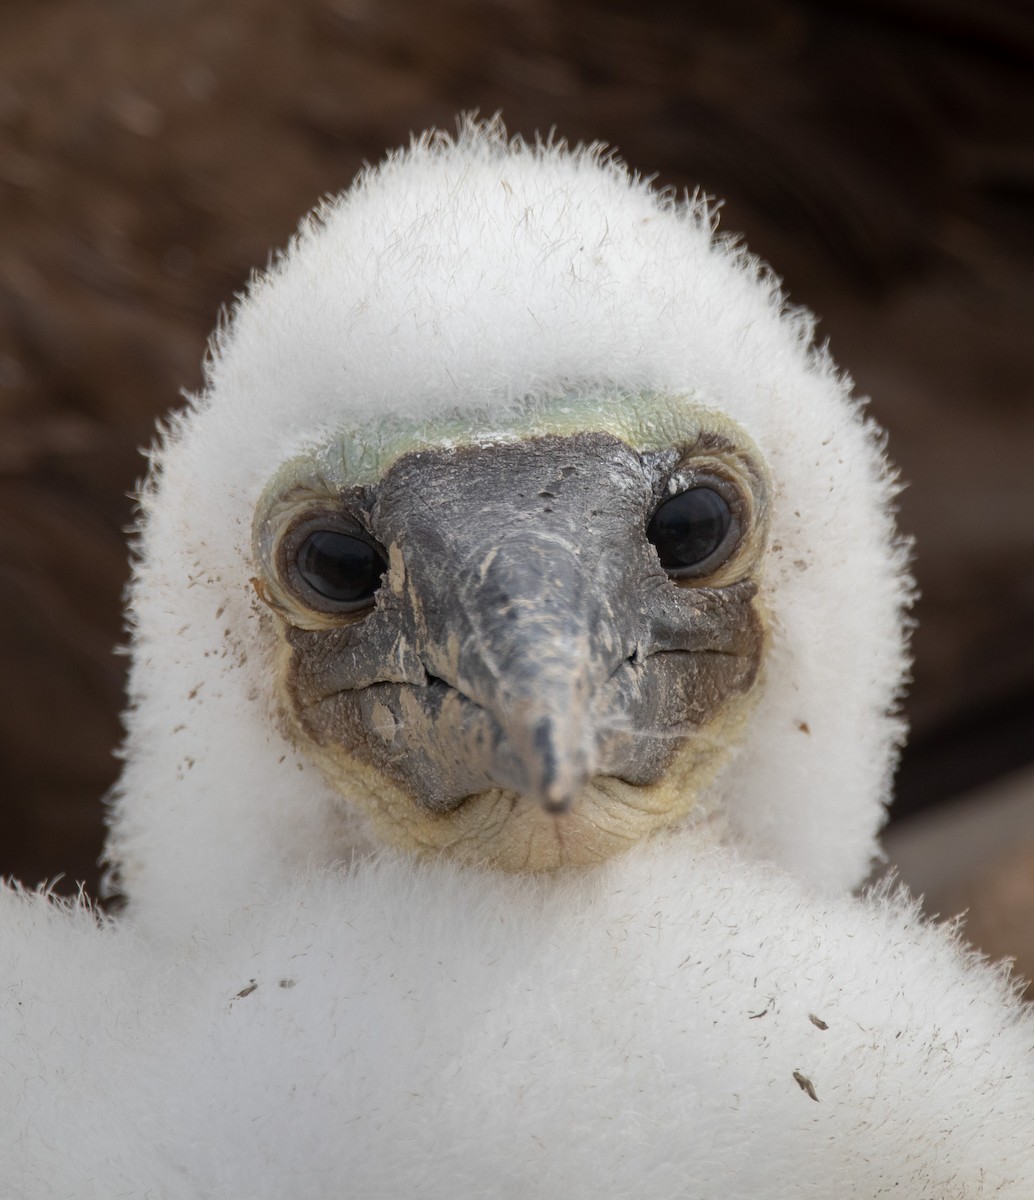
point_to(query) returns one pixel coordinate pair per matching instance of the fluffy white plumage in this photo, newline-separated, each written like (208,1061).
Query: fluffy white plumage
(466,277)
(422,1030)
(283,1014)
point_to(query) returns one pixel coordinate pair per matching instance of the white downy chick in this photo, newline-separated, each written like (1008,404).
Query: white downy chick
(419,569)
(487,366)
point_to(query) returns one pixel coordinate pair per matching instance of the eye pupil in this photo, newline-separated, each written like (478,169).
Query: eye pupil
(689,528)
(341,568)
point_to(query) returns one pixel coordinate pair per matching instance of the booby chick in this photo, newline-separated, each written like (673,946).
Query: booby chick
(516,630)
(520,520)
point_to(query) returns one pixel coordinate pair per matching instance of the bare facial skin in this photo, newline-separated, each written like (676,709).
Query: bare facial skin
(526,684)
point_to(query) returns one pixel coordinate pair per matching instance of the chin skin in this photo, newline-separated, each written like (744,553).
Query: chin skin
(504,831)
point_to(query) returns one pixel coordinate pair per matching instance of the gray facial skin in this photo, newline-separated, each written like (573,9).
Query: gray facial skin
(525,637)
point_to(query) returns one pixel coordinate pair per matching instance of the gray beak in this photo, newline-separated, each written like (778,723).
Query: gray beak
(518,580)
(535,643)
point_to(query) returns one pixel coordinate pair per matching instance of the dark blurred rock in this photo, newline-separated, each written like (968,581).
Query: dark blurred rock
(975,857)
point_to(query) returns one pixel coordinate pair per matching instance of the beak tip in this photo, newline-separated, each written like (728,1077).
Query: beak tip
(553,762)
(557,805)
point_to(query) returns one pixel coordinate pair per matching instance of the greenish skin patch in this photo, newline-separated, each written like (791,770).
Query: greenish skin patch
(405,711)
(646,421)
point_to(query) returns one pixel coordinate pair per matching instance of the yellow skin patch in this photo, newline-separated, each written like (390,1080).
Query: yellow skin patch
(501,830)
(497,826)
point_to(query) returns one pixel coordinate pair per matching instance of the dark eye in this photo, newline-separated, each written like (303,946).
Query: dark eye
(691,532)
(339,567)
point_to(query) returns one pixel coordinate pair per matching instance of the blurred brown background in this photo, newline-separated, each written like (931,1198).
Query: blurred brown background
(878,153)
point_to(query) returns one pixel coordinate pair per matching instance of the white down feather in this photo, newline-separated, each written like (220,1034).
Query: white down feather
(407,1029)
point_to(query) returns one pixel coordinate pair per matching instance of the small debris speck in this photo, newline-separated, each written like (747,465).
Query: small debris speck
(817,1021)
(246,991)
(805,1084)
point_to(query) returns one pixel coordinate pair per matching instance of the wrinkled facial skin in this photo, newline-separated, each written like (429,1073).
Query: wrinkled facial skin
(529,688)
